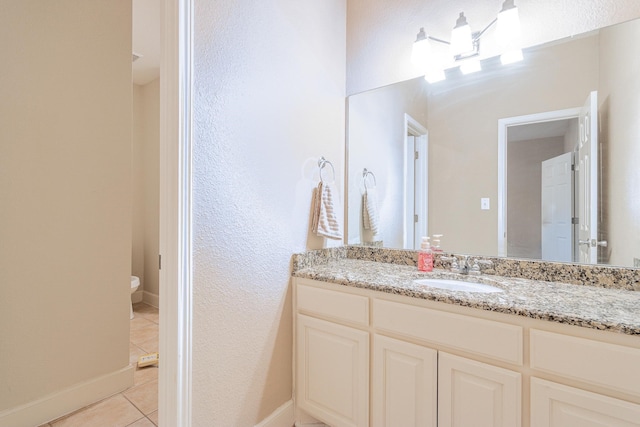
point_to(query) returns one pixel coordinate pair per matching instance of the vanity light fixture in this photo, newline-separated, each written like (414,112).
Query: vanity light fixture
(464,47)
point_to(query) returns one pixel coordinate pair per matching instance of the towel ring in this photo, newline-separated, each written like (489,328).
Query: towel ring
(321,164)
(366,172)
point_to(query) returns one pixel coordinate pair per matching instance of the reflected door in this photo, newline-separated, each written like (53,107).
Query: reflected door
(557,201)
(587,182)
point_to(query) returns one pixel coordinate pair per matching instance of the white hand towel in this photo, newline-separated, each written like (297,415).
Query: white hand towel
(325,218)
(370,211)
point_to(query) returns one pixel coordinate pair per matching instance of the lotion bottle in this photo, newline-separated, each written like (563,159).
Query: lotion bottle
(425,256)
(436,244)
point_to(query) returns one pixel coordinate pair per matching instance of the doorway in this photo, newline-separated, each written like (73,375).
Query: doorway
(416,185)
(524,143)
(581,139)
(540,194)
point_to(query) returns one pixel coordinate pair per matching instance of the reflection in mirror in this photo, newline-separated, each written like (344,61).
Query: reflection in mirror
(476,197)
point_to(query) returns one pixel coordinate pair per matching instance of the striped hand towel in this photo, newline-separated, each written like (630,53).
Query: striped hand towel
(370,215)
(325,219)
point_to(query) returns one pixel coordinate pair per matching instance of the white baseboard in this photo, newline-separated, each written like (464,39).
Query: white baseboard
(281,417)
(65,401)
(305,420)
(137,297)
(151,299)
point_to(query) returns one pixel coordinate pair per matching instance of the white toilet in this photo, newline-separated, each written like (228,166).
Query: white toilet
(135,282)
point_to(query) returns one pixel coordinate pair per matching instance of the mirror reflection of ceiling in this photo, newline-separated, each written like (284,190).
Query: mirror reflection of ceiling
(380,33)
(461,116)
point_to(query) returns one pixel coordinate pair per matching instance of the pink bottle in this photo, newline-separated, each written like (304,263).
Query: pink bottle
(425,256)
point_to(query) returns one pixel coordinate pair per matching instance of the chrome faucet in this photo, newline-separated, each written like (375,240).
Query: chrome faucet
(461,266)
(464,265)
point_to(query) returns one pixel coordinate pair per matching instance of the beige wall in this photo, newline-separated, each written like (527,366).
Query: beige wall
(146,187)
(269,101)
(524,194)
(620,135)
(381,32)
(376,134)
(65,187)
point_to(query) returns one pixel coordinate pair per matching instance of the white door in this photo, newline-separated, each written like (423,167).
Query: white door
(556,405)
(587,182)
(404,384)
(475,394)
(332,373)
(557,204)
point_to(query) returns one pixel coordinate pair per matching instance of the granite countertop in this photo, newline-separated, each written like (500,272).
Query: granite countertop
(587,306)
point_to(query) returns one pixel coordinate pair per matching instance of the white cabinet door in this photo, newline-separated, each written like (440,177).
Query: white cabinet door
(475,394)
(404,384)
(332,372)
(562,406)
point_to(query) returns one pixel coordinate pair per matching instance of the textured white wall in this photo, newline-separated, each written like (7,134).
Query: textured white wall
(65,195)
(381,32)
(269,101)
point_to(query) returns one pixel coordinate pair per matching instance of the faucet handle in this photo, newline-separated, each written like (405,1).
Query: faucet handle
(475,268)
(454,262)
(476,265)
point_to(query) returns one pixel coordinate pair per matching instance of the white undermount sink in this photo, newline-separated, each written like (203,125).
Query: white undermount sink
(458,285)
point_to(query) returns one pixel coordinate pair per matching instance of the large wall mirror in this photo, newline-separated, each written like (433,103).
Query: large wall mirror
(495,161)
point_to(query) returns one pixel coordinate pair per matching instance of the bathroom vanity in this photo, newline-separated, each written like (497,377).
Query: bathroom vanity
(373,347)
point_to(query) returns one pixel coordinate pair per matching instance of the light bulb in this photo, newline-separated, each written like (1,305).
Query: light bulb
(470,66)
(511,56)
(508,27)
(434,75)
(421,50)
(461,41)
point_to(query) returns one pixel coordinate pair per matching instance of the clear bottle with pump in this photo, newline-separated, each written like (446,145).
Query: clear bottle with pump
(436,244)
(425,256)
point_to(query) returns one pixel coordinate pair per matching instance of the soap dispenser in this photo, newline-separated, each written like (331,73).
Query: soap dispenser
(425,256)
(436,243)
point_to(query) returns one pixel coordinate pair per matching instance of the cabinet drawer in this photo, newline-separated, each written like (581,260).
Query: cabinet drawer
(613,366)
(558,405)
(333,305)
(484,337)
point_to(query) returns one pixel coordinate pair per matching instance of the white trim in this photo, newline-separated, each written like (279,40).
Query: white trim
(281,417)
(503,124)
(68,400)
(174,396)
(137,296)
(151,299)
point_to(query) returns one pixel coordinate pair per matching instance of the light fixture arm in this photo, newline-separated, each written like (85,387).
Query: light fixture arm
(476,36)
(465,44)
(435,39)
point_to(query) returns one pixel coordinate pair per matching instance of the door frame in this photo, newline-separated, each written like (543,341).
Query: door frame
(176,67)
(503,125)
(414,128)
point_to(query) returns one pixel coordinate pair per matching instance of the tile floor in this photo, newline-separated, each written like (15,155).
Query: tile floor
(138,405)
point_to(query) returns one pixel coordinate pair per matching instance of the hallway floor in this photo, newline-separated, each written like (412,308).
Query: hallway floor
(138,405)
